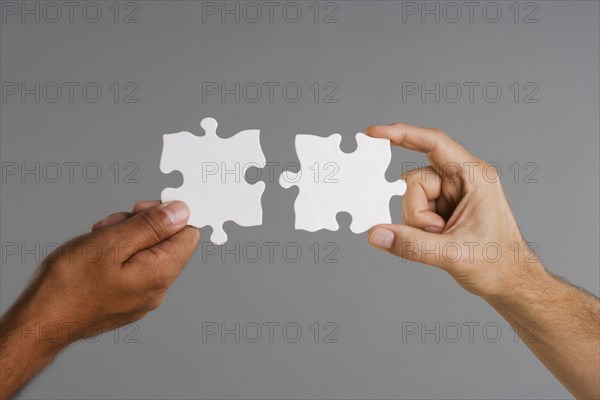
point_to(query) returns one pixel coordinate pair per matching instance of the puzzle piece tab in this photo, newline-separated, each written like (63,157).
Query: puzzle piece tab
(331,181)
(213,171)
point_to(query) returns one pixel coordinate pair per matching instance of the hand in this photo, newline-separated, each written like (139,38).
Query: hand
(456,216)
(105,279)
(118,272)
(457,219)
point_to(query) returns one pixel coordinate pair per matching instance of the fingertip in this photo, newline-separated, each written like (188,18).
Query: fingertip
(382,237)
(373,229)
(369,130)
(194,233)
(376,131)
(177,211)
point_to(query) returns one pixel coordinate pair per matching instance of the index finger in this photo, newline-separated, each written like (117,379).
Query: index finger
(439,148)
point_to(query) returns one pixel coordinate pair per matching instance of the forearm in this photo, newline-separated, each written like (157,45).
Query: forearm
(560,323)
(24,348)
(72,297)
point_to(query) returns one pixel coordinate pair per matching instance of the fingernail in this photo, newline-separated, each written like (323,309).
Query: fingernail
(433,229)
(383,238)
(177,212)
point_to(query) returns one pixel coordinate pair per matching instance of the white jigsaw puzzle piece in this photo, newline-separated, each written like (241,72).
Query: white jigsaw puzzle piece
(213,172)
(331,181)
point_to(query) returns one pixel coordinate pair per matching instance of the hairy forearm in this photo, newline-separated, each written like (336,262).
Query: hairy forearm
(24,350)
(560,323)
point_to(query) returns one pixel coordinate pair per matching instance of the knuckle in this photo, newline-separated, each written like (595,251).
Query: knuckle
(438,132)
(153,294)
(407,246)
(409,176)
(398,126)
(402,249)
(161,279)
(489,172)
(163,282)
(419,175)
(411,217)
(154,224)
(154,301)
(98,247)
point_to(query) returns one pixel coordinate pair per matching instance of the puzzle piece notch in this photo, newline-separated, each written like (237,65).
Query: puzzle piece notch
(214,199)
(356,183)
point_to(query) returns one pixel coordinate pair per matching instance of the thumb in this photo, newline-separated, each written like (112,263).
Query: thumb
(410,243)
(151,226)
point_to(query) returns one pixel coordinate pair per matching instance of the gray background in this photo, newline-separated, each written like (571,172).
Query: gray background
(368,294)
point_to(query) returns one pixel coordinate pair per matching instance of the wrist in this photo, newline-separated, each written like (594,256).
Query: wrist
(34,326)
(523,283)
